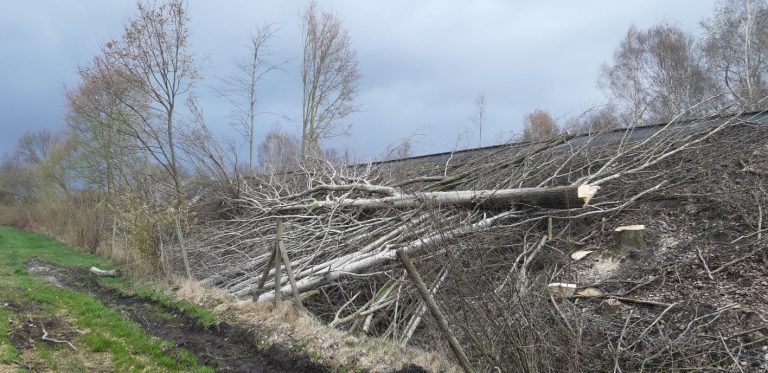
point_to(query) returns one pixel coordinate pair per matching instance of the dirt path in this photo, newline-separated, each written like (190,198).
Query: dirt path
(224,347)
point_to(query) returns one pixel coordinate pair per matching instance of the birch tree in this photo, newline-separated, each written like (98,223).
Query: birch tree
(655,75)
(479,116)
(278,152)
(736,45)
(240,88)
(329,74)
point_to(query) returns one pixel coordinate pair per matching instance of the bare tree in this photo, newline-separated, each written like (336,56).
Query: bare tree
(539,125)
(278,152)
(735,44)
(153,61)
(400,150)
(35,147)
(655,75)
(49,157)
(241,88)
(594,120)
(213,160)
(478,117)
(329,74)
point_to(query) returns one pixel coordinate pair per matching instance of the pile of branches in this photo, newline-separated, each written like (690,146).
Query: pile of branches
(488,230)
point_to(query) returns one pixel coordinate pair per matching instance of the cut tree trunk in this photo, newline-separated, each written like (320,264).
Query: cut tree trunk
(559,197)
(325,273)
(573,196)
(628,238)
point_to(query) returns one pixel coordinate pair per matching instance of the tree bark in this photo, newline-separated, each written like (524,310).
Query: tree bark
(628,238)
(559,197)
(325,273)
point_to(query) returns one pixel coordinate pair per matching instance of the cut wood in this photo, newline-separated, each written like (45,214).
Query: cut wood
(105,273)
(357,263)
(628,238)
(562,289)
(578,255)
(558,197)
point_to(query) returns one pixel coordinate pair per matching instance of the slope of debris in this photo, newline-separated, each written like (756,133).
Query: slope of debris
(689,292)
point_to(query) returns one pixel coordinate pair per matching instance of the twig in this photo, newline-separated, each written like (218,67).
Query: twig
(623,299)
(46,338)
(716,315)
(709,273)
(640,285)
(759,231)
(759,217)
(337,320)
(739,334)
(656,320)
(618,344)
(735,361)
(565,320)
(722,267)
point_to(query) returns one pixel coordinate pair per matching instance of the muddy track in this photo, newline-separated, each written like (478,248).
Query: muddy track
(224,347)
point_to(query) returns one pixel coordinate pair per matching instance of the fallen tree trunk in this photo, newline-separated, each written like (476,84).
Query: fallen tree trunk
(559,197)
(105,273)
(325,273)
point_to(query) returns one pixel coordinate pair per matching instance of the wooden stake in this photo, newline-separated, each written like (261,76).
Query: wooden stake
(278,293)
(265,273)
(432,306)
(288,268)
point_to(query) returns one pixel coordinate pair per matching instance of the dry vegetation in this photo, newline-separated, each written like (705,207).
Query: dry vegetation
(283,323)
(489,264)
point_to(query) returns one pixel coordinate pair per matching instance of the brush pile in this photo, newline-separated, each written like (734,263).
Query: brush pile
(492,230)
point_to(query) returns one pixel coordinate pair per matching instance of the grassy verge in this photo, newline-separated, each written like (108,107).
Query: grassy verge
(104,339)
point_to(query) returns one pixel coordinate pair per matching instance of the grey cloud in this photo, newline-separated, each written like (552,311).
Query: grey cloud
(422,62)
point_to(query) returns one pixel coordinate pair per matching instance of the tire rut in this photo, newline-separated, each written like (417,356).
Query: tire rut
(224,347)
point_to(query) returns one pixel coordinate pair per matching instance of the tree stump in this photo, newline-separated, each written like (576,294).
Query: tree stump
(628,238)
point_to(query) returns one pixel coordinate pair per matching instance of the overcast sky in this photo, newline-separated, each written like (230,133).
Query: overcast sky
(422,62)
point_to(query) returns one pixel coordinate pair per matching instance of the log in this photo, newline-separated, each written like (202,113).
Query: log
(356,263)
(558,197)
(325,272)
(105,273)
(628,238)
